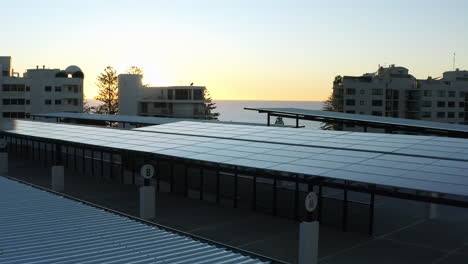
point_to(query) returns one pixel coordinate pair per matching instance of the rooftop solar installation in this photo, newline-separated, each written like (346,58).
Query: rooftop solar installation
(328,115)
(40,227)
(147,120)
(397,161)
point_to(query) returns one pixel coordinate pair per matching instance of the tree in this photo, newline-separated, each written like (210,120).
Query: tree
(108,92)
(136,70)
(333,103)
(209,107)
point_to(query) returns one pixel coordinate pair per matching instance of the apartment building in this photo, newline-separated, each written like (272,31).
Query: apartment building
(39,90)
(393,92)
(168,101)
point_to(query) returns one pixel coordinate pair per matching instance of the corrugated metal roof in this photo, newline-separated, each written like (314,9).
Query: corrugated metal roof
(40,227)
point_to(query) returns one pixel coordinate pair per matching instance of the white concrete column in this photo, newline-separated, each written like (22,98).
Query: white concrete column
(3,164)
(147,202)
(433,209)
(308,242)
(58,179)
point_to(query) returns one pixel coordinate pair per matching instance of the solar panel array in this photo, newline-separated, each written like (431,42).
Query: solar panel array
(40,227)
(127,118)
(368,118)
(385,159)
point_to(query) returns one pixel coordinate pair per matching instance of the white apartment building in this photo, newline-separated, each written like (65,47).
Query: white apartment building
(393,92)
(168,101)
(39,90)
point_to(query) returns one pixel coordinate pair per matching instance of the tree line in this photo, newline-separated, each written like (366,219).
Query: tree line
(108,94)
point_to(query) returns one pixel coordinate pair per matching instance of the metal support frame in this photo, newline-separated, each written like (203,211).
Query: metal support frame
(268,119)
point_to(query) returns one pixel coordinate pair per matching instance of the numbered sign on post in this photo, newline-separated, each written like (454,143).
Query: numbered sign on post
(311,201)
(147,171)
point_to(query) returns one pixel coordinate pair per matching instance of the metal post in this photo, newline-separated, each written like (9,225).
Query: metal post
(296,199)
(102,165)
(345,210)
(74,158)
(235,188)
(133,169)
(297,121)
(218,198)
(83,161)
(158,178)
(171,179)
(320,202)
(268,119)
(365,128)
(186,188)
(275,196)
(254,192)
(201,184)
(92,164)
(122,168)
(371,214)
(66,156)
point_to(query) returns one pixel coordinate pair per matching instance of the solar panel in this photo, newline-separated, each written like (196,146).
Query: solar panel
(371,167)
(367,118)
(40,227)
(430,146)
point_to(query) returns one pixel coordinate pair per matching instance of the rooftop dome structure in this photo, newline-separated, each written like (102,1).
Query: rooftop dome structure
(61,74)
(72,69)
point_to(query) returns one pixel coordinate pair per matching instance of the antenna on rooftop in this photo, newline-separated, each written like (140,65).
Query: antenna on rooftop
(454,55)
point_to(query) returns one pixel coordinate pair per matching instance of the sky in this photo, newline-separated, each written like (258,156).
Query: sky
(238,49)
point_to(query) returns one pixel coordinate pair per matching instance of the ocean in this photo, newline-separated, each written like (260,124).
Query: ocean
(233,110)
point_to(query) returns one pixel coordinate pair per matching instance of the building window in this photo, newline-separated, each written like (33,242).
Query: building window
(451,104)
(362,102)
(28,102)
(28,88)
(440,104)
(461,115)
(350,91)
(440,114)
(461,104)
(6,101)
(198,95)
(182,94)
(48,102)
(427,93)
(426,104)
(451,114)
(376,91)
(426,114)
(377,103)
(58,88)
(462,94)
(362,91)
(5,87)
(440,93)
(58,102)
(48,88)
(350,102)
(377,113)
(452,94)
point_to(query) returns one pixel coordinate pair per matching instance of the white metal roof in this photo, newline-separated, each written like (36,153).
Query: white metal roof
(41,227)
(425,163)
